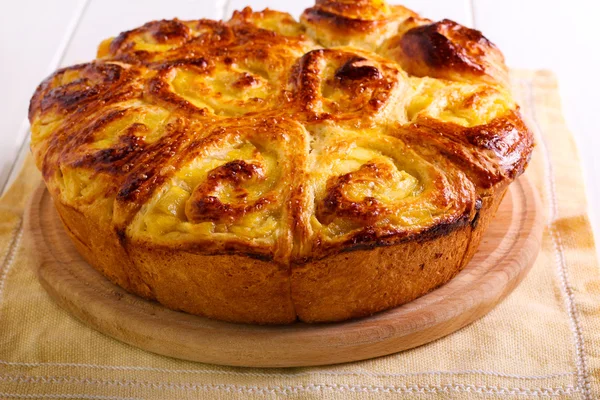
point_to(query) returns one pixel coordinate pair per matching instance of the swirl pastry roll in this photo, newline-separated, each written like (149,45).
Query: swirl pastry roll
(371,193)
(231,195)
(446,50)
(348,85)
(364,23)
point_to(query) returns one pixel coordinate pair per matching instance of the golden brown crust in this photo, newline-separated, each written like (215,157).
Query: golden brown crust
(229,287)
(265,170)
(481,151)
(448,50)
(363,24)
(360,283)
(347,85)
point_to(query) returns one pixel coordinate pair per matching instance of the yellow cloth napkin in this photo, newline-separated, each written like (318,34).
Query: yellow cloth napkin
(543,340)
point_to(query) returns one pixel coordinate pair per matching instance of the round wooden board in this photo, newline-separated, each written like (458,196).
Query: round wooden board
(506,254)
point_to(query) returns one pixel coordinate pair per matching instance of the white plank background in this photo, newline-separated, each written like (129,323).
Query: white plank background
(37,36)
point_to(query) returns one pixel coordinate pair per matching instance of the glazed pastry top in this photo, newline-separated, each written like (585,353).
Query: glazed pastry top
(362,124)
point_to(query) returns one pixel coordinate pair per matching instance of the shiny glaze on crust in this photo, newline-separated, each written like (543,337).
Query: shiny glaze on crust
(203,206)
(364,23)
(448,50)
(489,154)
(343,85)
(336,203)
(402,196)
(247,137)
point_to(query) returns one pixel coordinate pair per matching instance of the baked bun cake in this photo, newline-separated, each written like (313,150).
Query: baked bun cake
(267,170)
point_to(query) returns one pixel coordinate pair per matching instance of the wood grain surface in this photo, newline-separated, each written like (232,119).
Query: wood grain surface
(506,254)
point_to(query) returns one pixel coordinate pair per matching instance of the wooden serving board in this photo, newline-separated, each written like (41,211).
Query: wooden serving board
(506,254)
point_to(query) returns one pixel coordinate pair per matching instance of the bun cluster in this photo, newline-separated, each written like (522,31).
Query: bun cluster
(266,170)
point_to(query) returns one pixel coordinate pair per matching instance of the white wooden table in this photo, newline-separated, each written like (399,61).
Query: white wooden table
(37,36)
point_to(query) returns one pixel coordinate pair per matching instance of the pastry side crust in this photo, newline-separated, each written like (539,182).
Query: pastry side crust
(238,288)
